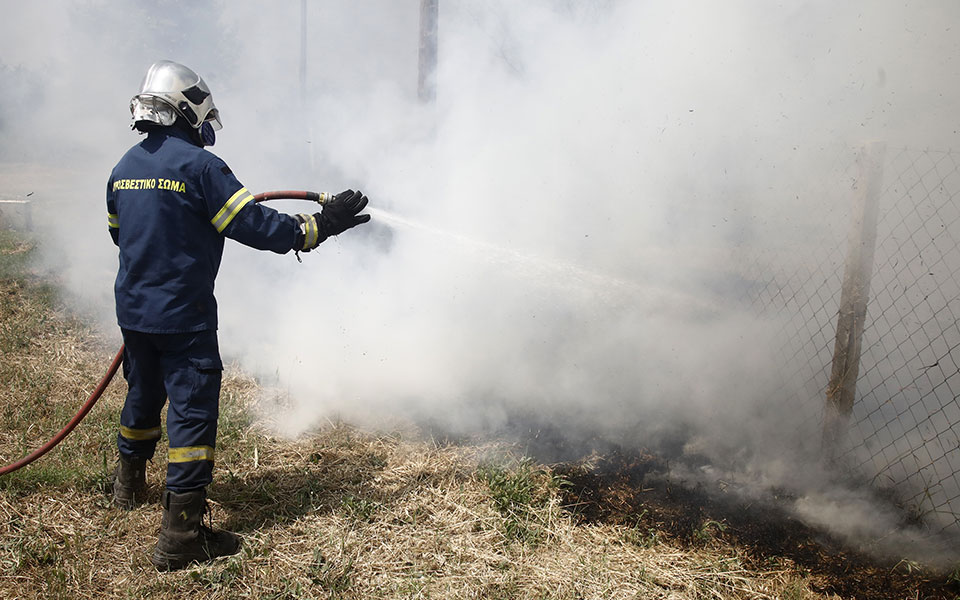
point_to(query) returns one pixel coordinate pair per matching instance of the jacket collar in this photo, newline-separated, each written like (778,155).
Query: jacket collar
(174,131)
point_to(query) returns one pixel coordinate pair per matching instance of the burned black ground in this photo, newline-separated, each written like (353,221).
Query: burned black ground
(631,487)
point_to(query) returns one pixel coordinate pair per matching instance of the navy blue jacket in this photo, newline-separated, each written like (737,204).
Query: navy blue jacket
(169,205)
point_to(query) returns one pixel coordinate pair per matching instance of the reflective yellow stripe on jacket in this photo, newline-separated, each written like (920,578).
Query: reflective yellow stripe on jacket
(190,454)
(230,209)
(113,220)
(311,232)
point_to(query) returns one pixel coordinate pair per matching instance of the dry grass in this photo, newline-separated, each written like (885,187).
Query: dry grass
(337,514)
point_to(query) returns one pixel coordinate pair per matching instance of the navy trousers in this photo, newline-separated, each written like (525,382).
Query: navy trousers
(186,368)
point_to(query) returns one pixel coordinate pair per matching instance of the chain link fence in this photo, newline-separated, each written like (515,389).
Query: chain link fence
(905,426)
(903,433)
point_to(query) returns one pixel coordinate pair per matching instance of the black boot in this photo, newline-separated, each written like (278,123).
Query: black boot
(184,538)
(129,481)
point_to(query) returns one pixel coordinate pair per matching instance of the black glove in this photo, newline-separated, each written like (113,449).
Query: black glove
(340,213)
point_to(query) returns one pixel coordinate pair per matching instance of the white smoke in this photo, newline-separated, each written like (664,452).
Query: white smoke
(576,194)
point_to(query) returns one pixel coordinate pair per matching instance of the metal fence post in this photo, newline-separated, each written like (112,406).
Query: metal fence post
(841,391)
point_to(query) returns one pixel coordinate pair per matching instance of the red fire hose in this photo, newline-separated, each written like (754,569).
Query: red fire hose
(26,460)
(319,198)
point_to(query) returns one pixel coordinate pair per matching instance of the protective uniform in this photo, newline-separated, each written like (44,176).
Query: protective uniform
(170,204)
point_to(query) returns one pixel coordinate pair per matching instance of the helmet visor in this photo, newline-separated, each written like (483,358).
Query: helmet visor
(149,108)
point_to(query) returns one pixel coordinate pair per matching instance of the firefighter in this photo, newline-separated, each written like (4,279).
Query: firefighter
(170,204)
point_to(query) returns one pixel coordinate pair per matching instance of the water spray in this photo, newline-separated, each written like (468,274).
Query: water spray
(608,286)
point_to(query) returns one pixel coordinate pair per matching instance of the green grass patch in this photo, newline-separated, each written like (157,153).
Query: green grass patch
(521,492)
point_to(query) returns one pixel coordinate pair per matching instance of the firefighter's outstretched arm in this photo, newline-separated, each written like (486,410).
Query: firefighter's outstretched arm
(238,217)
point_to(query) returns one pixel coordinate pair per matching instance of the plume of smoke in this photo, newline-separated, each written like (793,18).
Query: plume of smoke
(577,194)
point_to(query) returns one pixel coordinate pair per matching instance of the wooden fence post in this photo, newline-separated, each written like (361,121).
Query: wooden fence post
(842,389)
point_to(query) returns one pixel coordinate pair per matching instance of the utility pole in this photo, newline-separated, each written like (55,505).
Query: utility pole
(303,52)
(303,82)
(427,75)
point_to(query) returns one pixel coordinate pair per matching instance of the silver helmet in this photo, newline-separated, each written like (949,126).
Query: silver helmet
(169,89)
